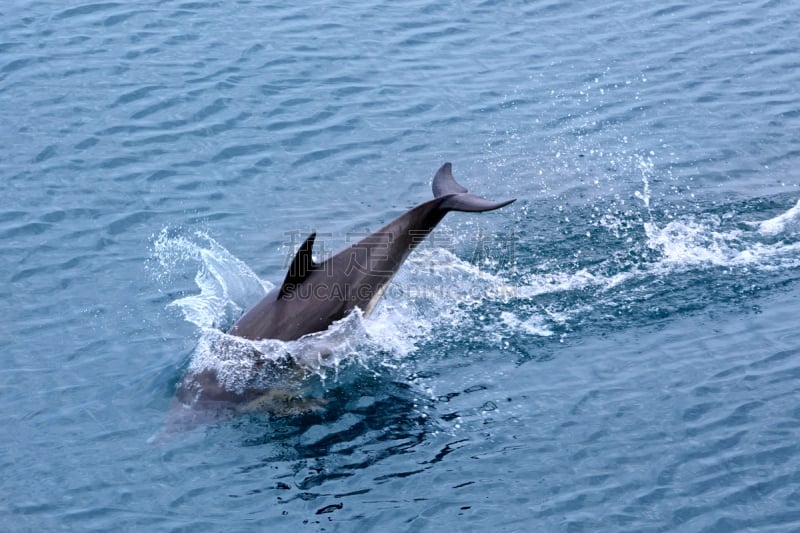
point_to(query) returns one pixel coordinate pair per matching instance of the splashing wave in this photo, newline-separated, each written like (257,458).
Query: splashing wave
(437,295)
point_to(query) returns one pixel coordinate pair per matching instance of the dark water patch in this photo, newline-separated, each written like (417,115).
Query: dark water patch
(8,216)
(159,139)
(25,230)
(126,222)
(117,162)
(212,109)
(160,175)
(136,94)
(215,75)
(209,218)
(179,39)
(17,64)
(86,9)
(114,20)
(232,152)
(157,107)
(87,143)
(45,154)
(7,46)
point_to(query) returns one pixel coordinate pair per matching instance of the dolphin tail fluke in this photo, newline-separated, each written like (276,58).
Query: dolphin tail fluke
(471,203)
(456,198)
(444,182)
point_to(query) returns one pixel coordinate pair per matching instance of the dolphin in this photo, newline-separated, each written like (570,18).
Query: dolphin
(313,296)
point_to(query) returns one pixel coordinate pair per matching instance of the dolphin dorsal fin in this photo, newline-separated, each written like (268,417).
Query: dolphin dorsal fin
(302,265)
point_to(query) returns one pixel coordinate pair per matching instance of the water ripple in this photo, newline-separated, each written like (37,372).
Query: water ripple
(643,377)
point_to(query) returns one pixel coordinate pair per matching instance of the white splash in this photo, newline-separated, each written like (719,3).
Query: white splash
(227,285)
(245,364)
(687,243)
(436,294)
(555,282)
(434,290)
(776,225)
(695,244)
(532,325)
(680,246)
(646,168)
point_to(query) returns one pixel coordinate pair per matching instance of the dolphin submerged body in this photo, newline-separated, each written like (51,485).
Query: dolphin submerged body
(311,298)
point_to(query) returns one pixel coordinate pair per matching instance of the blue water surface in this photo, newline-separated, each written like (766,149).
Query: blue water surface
(616,351)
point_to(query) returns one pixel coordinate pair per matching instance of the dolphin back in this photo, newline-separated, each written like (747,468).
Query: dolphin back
(456,197)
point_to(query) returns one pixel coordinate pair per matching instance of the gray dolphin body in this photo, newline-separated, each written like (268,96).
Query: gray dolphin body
(312,297)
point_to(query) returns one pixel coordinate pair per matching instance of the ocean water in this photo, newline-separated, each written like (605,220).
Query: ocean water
(616,351)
